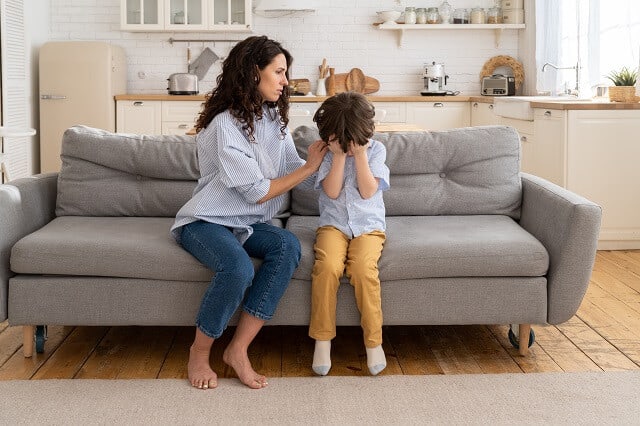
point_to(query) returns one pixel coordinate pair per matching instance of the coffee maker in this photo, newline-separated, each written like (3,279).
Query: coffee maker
(435,80)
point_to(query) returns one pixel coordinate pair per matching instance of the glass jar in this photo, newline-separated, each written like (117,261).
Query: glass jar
(445,12)
(477,16)
(421,15)
(494,15)
(432,15)
(410,15)
(460,16)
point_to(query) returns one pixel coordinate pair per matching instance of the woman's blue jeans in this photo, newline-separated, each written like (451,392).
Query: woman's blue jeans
(236,279)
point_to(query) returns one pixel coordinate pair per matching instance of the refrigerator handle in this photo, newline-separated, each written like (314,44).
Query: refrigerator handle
(52,97)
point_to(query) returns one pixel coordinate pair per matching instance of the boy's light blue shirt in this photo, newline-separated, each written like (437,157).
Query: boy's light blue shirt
(350,213)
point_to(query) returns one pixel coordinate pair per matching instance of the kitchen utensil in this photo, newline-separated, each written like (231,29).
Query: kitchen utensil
(434,80)
(323,68)
(498,85)
(331,82)
(389,16)
(203,62)
(299,86)
(371,85)
(182,83)
(355,80)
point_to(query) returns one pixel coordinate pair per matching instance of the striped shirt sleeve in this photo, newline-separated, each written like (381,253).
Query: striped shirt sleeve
(238,166)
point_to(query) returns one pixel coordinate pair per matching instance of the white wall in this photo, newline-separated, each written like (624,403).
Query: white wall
(340,30)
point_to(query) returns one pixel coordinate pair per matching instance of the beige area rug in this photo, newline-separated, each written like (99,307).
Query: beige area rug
(505,399)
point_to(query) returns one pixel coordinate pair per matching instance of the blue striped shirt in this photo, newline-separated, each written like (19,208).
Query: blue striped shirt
(350,213)
(235,173)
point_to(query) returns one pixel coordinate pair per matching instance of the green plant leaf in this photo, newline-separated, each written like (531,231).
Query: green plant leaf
(623,77)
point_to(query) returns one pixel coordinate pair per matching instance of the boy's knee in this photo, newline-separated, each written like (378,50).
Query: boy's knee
(333,267)
(362,270)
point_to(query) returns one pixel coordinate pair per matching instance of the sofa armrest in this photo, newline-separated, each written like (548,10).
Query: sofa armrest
(568,226)
(25,205)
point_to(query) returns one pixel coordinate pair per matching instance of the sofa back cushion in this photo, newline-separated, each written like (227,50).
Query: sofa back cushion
(473,170)
(109,174)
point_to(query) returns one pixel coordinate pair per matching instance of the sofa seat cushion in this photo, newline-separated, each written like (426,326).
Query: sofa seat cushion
(132,247)
(443,246)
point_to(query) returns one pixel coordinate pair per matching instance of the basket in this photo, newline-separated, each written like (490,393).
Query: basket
(623,94)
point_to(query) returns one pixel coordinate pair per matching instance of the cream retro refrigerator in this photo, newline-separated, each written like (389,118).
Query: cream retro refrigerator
(78,82)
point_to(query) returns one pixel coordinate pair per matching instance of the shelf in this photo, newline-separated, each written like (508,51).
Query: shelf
(401,28)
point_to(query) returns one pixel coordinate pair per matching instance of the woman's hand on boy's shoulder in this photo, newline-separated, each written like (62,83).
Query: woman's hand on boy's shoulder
(316,153)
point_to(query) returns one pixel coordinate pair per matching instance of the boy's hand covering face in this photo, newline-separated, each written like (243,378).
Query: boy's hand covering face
(335,147)
(357,149)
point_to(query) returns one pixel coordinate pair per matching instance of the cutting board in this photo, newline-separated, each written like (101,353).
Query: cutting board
(370,84)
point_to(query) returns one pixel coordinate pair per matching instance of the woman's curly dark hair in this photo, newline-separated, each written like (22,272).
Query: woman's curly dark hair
(237,85)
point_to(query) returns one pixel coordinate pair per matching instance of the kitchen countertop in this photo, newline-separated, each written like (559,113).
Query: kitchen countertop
(559,105)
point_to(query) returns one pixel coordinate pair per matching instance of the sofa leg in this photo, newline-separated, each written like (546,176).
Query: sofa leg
(27,340)
(523,338)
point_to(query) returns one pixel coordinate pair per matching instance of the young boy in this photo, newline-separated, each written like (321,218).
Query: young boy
(351,235)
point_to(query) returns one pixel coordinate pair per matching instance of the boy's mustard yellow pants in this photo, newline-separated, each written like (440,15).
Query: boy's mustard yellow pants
(358,258)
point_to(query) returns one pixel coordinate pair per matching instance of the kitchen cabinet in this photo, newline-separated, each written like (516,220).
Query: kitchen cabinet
(548,156)
(156,117)
(593,153)
(438,115)
(179,117)
(301,114)
(526,130)
(482,114)
(185,15)
(141,15)
(390,112)
(532,159)
(140,117)
(602,165)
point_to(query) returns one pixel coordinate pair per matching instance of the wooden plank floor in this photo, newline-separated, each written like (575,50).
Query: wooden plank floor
(603,336)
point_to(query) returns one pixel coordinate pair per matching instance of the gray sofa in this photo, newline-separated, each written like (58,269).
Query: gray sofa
(470,240)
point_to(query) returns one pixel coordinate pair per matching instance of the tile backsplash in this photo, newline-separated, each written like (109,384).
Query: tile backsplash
(340,30)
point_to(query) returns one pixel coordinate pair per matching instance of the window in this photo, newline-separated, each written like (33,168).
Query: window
(600,36)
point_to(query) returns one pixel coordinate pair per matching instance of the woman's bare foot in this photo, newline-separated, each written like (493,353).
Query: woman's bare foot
(201,375)
(239,361)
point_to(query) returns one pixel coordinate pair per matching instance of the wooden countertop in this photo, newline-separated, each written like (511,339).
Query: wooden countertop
(458,98)
(158,97)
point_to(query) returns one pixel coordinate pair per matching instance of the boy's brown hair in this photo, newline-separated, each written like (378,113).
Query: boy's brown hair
(347,116)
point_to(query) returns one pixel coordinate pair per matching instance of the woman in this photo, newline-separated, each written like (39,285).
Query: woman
(247,163)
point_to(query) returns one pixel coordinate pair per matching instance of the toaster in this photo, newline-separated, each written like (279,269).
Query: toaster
(182,83)
(498,85)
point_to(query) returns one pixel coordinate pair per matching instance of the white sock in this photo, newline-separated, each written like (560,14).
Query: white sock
(322,357)
(376,360)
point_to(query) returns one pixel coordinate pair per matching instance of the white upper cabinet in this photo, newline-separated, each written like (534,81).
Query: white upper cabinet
(185,15)
(230,15)
(141,15)
(181,15)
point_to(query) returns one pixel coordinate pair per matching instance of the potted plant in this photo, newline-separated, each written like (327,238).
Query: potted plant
(624,82)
